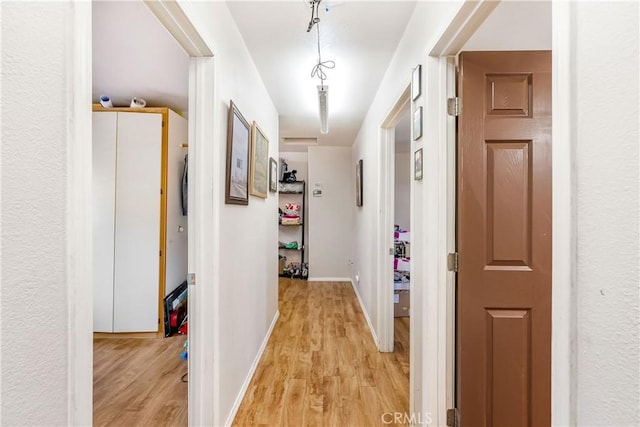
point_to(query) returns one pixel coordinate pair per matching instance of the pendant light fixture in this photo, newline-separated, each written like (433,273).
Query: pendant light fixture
(318,71)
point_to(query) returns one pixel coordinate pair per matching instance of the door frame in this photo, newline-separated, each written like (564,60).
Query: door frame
(386,188)
(441,64)
(386,220)
(79,217)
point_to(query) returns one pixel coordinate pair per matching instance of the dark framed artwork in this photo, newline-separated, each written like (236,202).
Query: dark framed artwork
(259,162)
(359,183)
(417,165)
(417,123)
(238,139)
(416,82)
(273,175)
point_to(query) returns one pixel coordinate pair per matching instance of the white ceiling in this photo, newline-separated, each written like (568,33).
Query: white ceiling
(133,55)
(360,37)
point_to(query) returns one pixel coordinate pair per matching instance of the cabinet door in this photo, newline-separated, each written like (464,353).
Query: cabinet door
(137,231)
(103,203)
(177,248)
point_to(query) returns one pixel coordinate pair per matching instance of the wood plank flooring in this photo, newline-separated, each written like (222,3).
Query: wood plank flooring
(137,381)
(321,366)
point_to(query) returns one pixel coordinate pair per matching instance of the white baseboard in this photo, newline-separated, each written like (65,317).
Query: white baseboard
(365,313)
(252,371)
(328,279)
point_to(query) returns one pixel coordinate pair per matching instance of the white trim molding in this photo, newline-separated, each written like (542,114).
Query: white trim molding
(252,371)
(365,313)
(563,274)
(202,253)
(328,279)
(79,218)
(173,18)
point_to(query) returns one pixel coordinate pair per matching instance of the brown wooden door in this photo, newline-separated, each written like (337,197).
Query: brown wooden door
(504,239)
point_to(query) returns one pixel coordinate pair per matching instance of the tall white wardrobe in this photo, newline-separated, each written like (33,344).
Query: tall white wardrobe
(139,230)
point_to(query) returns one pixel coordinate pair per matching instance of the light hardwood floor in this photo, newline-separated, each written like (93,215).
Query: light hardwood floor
(137,381)
(321,366)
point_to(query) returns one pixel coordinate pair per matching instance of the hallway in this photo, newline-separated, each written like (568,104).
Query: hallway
(321,366)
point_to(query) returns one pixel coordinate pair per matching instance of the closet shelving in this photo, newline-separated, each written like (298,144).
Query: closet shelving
(401,275)
(295,192)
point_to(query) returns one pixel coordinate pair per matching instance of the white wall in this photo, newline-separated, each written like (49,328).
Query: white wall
(402,193)
(331,216)
(35,308)
(246,236)
(606,130)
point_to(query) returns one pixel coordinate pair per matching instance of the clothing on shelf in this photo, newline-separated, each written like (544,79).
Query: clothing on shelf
(291,214)
(401,273)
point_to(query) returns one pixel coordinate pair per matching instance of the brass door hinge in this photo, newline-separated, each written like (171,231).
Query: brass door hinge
(453,106)
(453,261)
(452,417)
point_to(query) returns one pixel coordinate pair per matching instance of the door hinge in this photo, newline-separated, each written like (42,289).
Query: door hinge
(453,106)
(452,417)
(191,279)
(161,252)
(453,261)
(163,123)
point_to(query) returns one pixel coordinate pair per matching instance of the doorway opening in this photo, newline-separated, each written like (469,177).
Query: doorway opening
(403,160)
(197,76)
(140,218)
(397,322)
(492,31)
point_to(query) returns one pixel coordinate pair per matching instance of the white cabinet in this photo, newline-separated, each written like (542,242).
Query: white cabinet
(131,206)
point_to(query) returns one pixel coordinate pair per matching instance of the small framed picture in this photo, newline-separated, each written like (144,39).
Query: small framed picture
(359,183)
(417,124)
(417,165)
(273,175)
(416,82)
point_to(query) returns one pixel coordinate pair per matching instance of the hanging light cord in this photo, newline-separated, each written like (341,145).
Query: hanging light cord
(318,70)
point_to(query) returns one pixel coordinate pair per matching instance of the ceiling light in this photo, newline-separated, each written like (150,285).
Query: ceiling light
(318,71)
(323,99)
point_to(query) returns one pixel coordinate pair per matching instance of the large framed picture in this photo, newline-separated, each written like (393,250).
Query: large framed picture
(273,175)
(359,183)
(259,162)
(238,137)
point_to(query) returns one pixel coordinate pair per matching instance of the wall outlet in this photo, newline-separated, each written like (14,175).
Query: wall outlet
(358,278)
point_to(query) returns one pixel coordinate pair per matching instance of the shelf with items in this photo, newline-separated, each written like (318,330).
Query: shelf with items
(292,219)
(401,272)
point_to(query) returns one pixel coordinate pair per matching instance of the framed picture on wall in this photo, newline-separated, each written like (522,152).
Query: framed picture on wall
(359,183)
(273,175)
(417,165)
(238,137)
(416,82)
(417,123)
(259,162)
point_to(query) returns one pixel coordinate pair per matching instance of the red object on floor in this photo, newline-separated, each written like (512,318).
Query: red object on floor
(174,319)
(184,329)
